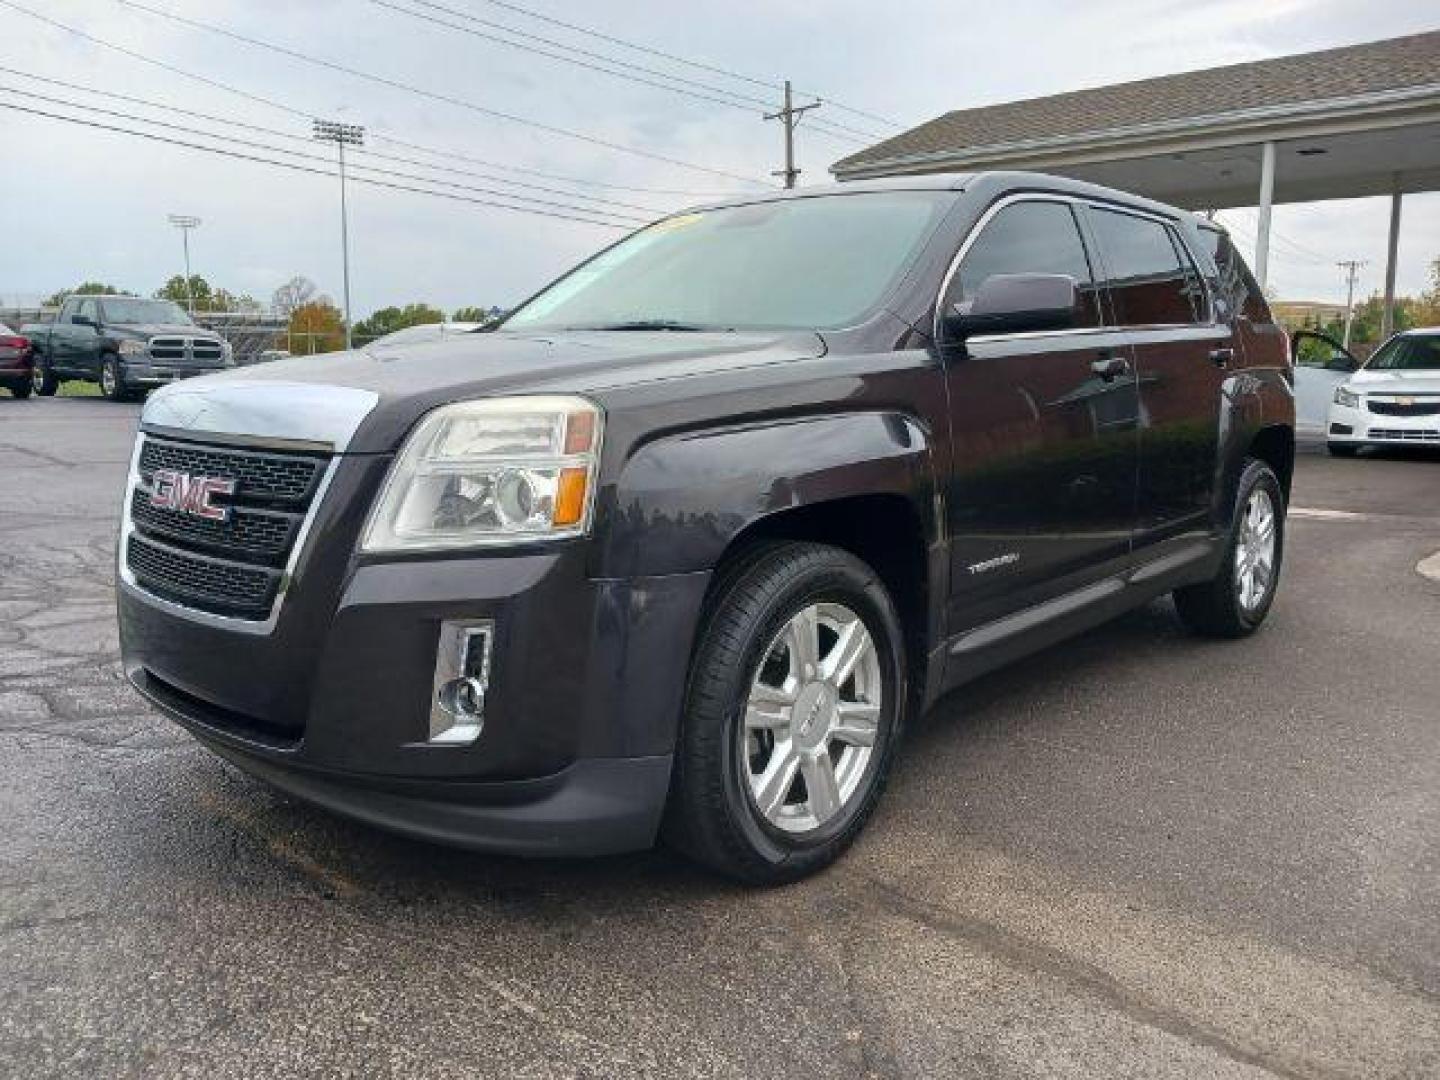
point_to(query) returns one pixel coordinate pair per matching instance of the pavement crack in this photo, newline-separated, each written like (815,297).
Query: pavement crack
(1030,956)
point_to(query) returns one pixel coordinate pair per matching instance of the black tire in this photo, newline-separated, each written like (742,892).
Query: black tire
(712,815)
(113,372)
(21,389)
(1342,449)
(1213,608)
(43,381)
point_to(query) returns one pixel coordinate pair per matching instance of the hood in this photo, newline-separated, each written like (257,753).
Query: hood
(149,330)
(1395,382)
(390,387)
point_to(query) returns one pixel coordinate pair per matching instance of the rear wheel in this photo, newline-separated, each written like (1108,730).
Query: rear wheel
(1235,602)
(43,381)
(792,716)
(112,379)
(1342,449)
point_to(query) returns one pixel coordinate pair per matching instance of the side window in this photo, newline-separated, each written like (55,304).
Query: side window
(1149,284)
(88,311)
(1031,237)
(1238,287)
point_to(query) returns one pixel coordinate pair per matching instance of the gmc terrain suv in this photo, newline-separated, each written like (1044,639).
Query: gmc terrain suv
(126,344)
(676,549)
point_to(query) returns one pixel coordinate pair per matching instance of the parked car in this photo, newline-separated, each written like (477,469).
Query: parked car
(17,358)
(125,344)
(413,335)
(678,548)
(1393,399)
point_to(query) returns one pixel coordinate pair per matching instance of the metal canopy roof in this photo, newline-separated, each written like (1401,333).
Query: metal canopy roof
(1360,120)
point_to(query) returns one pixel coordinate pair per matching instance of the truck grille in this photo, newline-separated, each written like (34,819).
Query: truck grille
(1417,407)
(227,565)
(207,350)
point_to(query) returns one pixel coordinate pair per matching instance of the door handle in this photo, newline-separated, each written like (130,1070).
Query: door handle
(1109,367)
(1222,355)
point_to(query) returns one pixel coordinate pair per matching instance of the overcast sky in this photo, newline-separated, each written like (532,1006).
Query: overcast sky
(80,203)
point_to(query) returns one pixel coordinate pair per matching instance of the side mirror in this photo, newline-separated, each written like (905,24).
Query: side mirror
(1312,349)
(1017,303)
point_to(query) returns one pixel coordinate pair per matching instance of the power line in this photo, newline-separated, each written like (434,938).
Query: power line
(769,84)
(395,84)
(627,219)
(303,168)
(276,133)
(730,98)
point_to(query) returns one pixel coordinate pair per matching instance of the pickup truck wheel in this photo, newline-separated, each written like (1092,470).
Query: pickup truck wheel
(21,389)
(112,379)
(43,381)
(792,716)
(1235,602)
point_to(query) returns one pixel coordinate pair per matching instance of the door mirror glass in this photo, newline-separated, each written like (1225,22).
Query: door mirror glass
(1017,303)
(1315,350)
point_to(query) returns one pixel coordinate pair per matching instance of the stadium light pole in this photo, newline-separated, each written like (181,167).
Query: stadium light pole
(184,222)
(342,135)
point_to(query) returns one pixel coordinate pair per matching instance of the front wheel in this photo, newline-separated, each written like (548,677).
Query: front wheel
(793,712)
(112,379)
(1235,602)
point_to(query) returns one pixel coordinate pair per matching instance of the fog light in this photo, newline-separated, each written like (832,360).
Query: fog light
(462,675)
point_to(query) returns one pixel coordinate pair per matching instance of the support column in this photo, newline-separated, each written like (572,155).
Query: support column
(1267,197)
(1387,320)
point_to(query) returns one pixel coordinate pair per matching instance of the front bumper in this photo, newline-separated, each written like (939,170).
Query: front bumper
(1360,427)
(141,371)
(333,703)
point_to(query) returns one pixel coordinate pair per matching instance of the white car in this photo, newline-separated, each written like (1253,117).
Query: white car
(1391,400)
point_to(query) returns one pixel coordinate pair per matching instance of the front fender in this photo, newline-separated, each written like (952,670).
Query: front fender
(681,500)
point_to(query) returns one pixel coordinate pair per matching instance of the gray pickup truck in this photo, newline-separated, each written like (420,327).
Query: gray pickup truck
(126,344)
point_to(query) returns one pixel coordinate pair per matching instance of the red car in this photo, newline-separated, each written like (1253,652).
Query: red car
(17,362)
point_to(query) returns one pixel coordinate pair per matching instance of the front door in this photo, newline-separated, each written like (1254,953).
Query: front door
(1182,356)
(1042,490)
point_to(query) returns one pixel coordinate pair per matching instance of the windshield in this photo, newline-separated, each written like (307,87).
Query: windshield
(130,311)
(1411,353)
(807,263)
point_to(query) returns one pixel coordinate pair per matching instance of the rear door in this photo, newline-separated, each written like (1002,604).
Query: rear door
(1182,357)
(1042,490)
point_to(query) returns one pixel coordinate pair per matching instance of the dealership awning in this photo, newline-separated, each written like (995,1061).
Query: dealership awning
(1338,124)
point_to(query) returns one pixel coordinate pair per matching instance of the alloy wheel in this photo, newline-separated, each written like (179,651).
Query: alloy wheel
(811,718)
(1255,551)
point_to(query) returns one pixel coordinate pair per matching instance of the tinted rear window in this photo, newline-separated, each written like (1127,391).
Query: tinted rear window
(1151,282)
(1237,289)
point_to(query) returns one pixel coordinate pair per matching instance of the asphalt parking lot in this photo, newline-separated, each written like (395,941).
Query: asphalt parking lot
(1134,855)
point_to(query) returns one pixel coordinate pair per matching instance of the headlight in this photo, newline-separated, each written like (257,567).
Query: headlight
(501,471)
(134,348)
(1346,397)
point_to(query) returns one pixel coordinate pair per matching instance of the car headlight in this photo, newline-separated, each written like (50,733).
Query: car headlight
(134,348)
(1347,397)
(500,471)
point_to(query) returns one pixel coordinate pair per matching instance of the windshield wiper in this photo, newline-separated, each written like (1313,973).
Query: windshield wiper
(648,324)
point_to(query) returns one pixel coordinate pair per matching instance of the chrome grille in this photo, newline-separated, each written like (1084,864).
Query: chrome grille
(234,566)
(207,350)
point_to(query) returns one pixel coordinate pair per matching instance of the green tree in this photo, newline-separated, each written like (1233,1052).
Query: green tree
(316,327)
(389,319)
(475,314)
(183,292)
(86,288)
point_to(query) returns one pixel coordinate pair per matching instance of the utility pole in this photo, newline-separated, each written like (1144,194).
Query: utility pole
(342,135)
(184,222)
(790,115)
(1351,268)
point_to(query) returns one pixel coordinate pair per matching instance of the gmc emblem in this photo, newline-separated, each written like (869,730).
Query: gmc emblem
(186,494)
